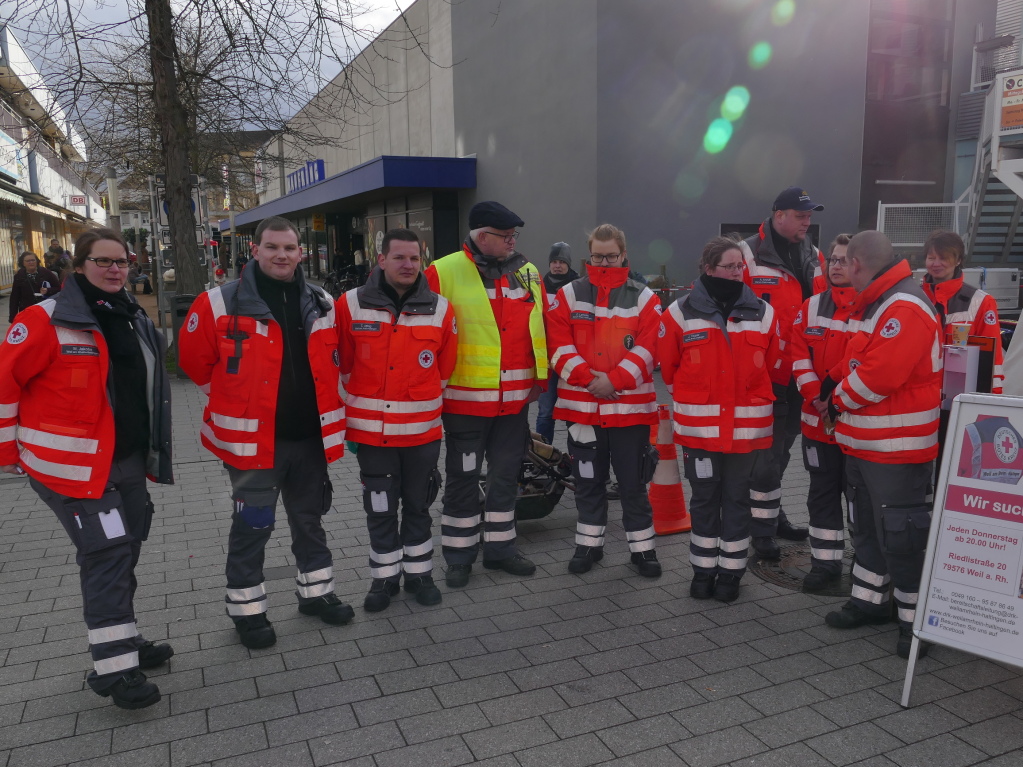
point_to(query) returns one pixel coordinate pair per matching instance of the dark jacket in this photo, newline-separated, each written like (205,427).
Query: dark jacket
(25,287)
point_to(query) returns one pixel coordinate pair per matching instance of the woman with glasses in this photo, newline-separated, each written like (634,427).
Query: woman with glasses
(716,348)
(820,334)
(32,283)
(85,412)
(602,331)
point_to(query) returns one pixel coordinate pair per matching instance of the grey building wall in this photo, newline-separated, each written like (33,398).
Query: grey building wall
(582,111)
(525,92)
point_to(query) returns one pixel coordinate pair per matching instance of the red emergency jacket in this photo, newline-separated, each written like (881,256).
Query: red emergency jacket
(394,368)
(56,419)
(606,322)
(239,421)
(774,282)
(991,451)
(819,336)
(958,302)
(890,380)
(718,371)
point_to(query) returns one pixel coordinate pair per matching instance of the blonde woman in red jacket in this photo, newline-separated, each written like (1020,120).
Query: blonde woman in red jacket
(717,347)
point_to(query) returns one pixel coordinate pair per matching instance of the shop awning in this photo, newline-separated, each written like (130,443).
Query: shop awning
(375,179)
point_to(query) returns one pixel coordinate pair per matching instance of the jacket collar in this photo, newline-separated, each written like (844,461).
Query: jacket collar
(747,307)
(888,277)
(608,277)
(491,268)
(941,292)
(420,300)
(72,310)
(844,298)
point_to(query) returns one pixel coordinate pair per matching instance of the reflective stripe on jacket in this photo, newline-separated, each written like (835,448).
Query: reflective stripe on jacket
(718,371)
(958,302)
(820,334)
(606,322)
(56,418)
(502,347)
(394,369)
(890,389)
(232,348)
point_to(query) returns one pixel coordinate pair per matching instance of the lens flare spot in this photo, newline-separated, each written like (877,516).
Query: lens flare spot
(718,135)
(689,187)
(735,103)
(782,12)
(660,251)
(760,55)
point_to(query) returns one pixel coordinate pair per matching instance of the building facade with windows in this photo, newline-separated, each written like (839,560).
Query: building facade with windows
(669,118)
(43,196)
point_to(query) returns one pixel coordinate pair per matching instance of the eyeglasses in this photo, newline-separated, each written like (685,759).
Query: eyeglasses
(509,238)
(105,263)
(837,262)
(606,258)
(731,267)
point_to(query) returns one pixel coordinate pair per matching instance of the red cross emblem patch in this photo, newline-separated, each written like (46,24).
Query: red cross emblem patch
(891,328)
(425,358)
(17,333)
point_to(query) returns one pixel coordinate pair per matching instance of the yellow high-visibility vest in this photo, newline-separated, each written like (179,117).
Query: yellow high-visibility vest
(479,341)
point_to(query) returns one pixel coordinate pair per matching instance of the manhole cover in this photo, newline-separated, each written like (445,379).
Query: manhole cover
(788,571)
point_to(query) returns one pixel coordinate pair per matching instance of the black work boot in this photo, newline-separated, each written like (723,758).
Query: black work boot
(727,587)
(424,588)
(647,564)
(905,643)
(584,557)
(132,691)
(702,586)
(851,616)
(790,532)
(330,609)
(457,576)
(379,596)
(766,547)
(818,579)
(255,631)
(514,565)
(153,655)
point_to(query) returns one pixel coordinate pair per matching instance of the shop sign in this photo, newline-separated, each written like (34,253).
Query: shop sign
(313,173)
(319,222)
(1012,104)
(10,157)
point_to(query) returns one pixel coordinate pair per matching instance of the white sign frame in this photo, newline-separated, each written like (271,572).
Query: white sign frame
(975,555)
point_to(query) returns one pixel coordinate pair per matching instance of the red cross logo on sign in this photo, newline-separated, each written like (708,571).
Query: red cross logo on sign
(1006,445)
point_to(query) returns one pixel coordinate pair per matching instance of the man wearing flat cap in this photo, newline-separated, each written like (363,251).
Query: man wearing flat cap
(782,268)
(501,367)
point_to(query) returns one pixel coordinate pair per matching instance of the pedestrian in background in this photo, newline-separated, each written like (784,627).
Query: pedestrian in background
(819,336)
(85,411)
(559,274)
(717,348)
(398,345)
(264,348)
(603,329)
(32,283)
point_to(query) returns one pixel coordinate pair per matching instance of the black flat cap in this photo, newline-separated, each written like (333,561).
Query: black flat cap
(494,215)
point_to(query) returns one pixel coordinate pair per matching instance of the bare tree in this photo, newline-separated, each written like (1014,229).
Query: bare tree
(192,79)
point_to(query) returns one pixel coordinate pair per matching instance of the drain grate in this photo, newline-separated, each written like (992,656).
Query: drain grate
(788,571)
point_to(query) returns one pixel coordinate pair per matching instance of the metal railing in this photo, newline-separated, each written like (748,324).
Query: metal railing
(908,225)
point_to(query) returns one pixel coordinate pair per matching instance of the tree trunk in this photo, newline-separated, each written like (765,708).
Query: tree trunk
(172,120)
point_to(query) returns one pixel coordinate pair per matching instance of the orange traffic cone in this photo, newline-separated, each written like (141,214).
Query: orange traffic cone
(665,490)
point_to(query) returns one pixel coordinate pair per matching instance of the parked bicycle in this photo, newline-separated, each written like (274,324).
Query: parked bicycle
(341,281)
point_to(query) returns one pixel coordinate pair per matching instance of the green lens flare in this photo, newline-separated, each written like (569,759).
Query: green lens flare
(717,136)
(760,55)
(735,103)
(783,12)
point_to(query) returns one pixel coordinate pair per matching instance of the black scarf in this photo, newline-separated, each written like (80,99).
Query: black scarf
(555,282)
(490,267)
(115,313)
(723,292)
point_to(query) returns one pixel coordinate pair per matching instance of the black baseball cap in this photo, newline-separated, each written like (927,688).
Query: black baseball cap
(494,215)
(795,198)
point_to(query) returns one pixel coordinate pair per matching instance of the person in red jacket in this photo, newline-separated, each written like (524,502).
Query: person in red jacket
(717,348)
(398,344)
(602,330)
(886,403)
(957,301)
(819,337)
(85,412)
(264,348)
(782,268)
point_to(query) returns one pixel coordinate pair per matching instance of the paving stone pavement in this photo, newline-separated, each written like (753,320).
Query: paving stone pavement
(550,671)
